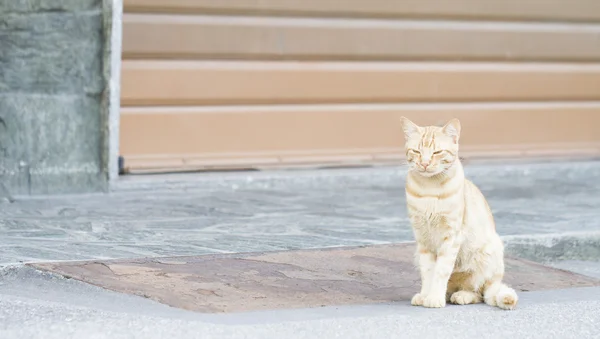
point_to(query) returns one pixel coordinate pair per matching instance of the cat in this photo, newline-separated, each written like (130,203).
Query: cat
(459,254)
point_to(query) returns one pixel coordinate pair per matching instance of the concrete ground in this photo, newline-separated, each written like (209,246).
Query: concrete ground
(37,305)
(536,206)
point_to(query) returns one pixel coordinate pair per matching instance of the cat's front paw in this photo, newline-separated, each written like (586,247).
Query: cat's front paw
(434,301)
(417,300)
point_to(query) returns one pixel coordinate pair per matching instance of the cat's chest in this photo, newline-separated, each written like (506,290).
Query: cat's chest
(430,220)
(430,229)
(431,207)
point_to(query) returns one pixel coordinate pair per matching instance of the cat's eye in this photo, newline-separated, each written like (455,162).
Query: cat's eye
(438,152)
(414,151)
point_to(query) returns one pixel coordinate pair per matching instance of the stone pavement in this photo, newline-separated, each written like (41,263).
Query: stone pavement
(172,215)
(587,268)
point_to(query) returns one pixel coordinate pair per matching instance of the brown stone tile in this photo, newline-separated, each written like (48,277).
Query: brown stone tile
(292,279)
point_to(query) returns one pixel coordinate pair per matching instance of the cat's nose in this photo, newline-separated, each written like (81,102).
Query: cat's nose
(425,164)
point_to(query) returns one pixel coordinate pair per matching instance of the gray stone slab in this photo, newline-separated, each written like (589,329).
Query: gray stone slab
(51,143)
(292,279)
(52,105)
(47,6)
(46,51)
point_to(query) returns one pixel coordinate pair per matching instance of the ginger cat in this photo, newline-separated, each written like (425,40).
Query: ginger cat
(459,254)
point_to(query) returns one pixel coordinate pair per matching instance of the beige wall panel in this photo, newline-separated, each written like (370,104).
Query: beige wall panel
(268,136)
(588,10)
(201,83)
(312,110)
(193,37)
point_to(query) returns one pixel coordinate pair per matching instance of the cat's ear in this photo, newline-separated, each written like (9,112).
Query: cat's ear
(409,127)
(452,129)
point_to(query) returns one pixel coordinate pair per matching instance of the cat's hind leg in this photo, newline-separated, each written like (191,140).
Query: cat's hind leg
(462,289)
(453,285)
(465,297)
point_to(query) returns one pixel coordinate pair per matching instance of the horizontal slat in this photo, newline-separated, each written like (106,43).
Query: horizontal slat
(200,83)
(579,10)
(222,137)
(192,37)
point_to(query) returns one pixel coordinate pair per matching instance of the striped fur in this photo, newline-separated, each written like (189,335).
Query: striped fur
(459,254)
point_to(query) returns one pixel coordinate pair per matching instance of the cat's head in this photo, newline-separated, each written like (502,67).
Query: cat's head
(431,150)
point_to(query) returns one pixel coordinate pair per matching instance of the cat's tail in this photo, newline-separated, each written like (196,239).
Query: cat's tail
(498,294)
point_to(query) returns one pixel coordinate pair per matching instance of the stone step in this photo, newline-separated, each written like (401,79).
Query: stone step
(244,282)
